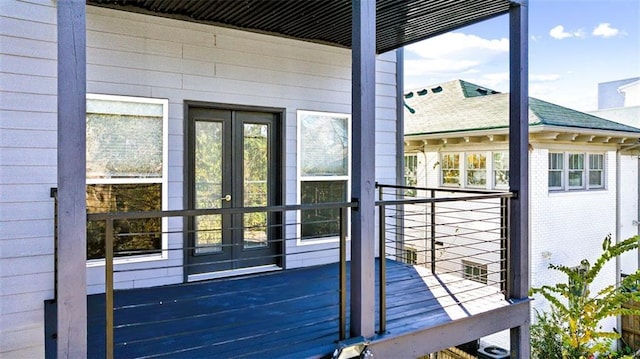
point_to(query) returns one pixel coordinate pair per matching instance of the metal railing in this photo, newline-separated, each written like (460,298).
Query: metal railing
(457,235)
(286,226)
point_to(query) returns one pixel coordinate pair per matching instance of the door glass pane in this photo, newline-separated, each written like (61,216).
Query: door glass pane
(256,170)
(208,185)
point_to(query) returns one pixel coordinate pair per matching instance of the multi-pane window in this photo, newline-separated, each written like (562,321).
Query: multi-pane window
(596,171)
(576,170)
(556,170)
(450,165)
(476,166)
(125,170)
(324,169)
(474,271)
(572,171)
(410,173)
(478,169)
(501,169)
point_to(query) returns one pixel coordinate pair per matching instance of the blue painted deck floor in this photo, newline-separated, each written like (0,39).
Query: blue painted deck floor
(284,314)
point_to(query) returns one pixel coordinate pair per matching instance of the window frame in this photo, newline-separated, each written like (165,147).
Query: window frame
(483,271)
(163,180)
(460,169)
(463,168)
(467,169)
(408,169)
(300,177)
(585,171)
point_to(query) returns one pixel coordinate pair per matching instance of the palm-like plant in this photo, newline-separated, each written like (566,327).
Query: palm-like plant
(576,313)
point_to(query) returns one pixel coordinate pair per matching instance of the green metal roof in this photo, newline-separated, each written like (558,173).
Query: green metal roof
(460,106)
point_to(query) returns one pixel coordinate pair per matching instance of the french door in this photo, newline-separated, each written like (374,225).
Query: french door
(233,161)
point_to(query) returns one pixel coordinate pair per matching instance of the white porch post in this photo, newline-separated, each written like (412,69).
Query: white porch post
(71,276)
(518,282)
(363,180)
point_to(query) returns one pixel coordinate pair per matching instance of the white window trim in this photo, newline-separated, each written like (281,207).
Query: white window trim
(565,187)
(462,169)
(164,181)
(484,279)
(300,178)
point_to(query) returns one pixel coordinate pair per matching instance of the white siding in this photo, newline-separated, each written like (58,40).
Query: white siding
(28,105)
(137,55)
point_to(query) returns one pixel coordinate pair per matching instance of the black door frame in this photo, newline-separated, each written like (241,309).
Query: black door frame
(276,177)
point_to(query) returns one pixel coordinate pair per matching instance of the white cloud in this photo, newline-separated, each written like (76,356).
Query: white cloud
(605,30)
(454,52)
(559,33)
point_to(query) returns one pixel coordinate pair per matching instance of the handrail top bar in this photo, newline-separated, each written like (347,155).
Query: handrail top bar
(441,189)
(210,211)
(445,199)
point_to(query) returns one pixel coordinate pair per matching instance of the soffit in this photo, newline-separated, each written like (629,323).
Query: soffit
(399,22)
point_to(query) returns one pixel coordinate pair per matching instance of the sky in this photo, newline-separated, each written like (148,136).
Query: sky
(573,46)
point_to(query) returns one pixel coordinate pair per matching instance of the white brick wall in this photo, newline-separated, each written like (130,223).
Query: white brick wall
(137,55)
(566,227)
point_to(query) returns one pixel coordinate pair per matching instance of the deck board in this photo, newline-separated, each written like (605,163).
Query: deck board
(288,314)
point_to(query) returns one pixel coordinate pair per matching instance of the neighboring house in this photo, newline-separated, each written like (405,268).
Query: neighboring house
(456,136)
(620,101)
(190,116)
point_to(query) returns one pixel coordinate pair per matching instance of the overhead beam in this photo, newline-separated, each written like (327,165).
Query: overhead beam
(363,62)
(71,229)
(518,259)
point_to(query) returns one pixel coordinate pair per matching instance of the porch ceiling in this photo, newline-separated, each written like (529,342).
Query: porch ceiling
(399,22)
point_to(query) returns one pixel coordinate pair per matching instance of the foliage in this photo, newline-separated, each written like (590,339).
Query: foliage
(545,338)
(576,313)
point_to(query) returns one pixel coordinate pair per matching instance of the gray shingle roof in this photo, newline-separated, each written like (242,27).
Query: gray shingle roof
(458,106)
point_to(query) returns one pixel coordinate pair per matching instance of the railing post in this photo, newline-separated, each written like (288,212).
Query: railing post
(504,242)
(433,232)
(382,268)
(108,268)
(343,273)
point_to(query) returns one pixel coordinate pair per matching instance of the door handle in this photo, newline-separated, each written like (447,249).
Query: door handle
(227,198)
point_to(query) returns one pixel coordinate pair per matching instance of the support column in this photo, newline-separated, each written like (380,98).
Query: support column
(363,178)
(518,281)
(72,294)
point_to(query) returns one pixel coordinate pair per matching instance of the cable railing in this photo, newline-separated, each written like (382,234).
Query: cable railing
(454,241)
(457,241)
(283,230)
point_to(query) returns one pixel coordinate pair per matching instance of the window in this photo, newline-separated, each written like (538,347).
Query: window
(324,141)
(474,271)
(480,169)
(556,167)
(476,169)
(501,169)
(450,165)
(409,255)
(596,171)
(575,171)
(410,173)
(126,171)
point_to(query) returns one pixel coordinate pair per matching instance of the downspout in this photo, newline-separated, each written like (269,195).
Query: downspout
(619,211)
